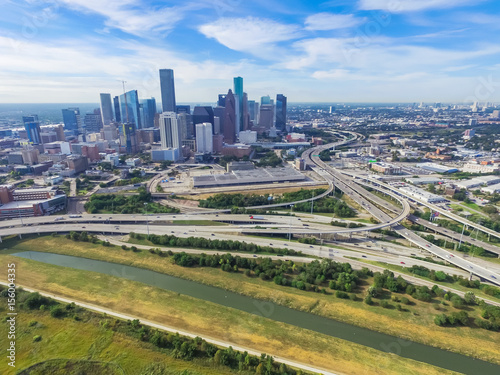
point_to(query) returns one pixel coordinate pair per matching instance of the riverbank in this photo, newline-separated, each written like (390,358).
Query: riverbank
(415,324)
(213,320)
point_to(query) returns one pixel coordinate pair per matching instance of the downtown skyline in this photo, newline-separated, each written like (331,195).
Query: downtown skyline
(337,51)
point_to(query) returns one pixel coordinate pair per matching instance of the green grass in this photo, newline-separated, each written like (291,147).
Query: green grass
(418,327)
(70,347)
(186,313)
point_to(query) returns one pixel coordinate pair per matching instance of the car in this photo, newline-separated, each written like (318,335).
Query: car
(285,244)
(83,227)
(185,233)
(157,217)
(470,266)
(363,256)
(270,244)
(493,277)
(427,245)
(402,262)
(216,215)
(255,256)
(213,234)
(171,231)
(451,255)
(173,217)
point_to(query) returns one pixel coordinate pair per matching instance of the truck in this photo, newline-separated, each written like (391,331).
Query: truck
(74,216)
(254,217)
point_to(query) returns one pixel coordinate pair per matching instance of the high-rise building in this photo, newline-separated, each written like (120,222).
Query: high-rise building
(59,129)
(167,88)
(246,118)
(281,112)
(116,106)
(129,138)
(148,112)
(32,126)
(129,108)
(221,102)
(72,120)
(238,91)
(203,114)
(170,133)
(93,121)
(219,112)
(265,100)
(230,119)
(266,117)
(204,141)
(106,109)
(183,109)
(183,125)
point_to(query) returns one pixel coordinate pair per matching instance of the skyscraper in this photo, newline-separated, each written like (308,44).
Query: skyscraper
(116,105)
(265,100)
(280,112)
(230,119)
(129,108)
(266,117)
(93,121)
(244,113)
(238,91)
(148,112)
(204,140)
(32,126)
(203,114)
(129,138)
(106,109)
(170,132)
(222,100)
(72,120)
(167,88)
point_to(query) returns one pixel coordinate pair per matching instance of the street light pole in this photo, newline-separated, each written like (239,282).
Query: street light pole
(147,219)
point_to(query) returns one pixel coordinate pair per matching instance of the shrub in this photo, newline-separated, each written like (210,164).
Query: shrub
(340,294)
(368,300)
(37,338)
(57,311)
(385,304)
(405,300)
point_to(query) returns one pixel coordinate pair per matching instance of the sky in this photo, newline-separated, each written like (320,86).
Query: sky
(68,51)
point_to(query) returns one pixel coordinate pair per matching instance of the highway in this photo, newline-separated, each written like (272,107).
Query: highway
(348,185)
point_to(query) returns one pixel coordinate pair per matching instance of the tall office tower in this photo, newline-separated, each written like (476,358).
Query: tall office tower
(238,91)
(33,131)
(266,117)
(167,88)
(72,120)
(31,118)
(280,112)
(221,102)
(116,107)
(93,121)
(204,141)
(237,110)
(170,134)
(106,109)
(60,133)
(246,118)
(109,132)
(230,119)
(129,138)
(251,110)
(265,100)
(219,112)
(216,125)
(182,120)
(148,112)
(183,109)
(203,114)
(129,108)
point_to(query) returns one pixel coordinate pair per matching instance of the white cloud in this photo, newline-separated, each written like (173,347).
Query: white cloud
(402,6)
(249,34)
(132,16)
(330,21)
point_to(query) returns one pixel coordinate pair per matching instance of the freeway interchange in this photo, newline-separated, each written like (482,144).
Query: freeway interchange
(354,186)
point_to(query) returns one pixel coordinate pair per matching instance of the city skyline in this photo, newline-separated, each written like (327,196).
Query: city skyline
(360,51)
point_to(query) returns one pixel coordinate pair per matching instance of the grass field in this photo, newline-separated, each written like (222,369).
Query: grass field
(416,325)
(186,313)
(82,342)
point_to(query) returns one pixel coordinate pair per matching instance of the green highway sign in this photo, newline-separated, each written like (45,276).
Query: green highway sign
(316,155)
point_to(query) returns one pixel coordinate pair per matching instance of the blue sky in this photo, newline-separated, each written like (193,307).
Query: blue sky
(311,51)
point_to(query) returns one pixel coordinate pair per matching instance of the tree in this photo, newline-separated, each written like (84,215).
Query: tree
(470,298)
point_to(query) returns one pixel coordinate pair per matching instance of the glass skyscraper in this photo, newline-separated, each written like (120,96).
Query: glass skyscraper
(106,109)
(280,112)
(148,112)
(167,88)
(32,127)
(116,105)
(71,119)
(129,108)
(238,91)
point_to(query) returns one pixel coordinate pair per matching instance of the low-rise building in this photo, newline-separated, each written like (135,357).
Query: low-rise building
(421,194)
(386,168)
